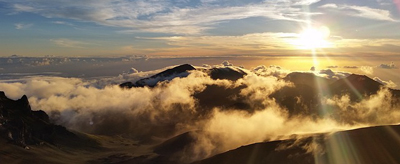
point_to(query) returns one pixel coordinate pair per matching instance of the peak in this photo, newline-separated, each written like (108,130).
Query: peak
(297,74)
(24,98)
(2,94)
(356,75)
(178,71)
(24,104)
(184,67)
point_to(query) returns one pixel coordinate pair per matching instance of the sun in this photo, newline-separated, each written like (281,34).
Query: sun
(314,38)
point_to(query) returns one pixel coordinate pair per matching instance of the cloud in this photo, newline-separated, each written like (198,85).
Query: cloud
(150,114)
(371,13)
(163,16)
(304,2)
(133,70)
(20,26)
(328,73)
(24,8)
(367,70)
(73,102)
(62,23)
(90,106)
(333,66)
(268,43)
(361,11)
(272,70)
(389,83)
(388,66)
(351,67)
(330,5)
(69,43)
(228,130)
(373,110)
(226,63)
(254,43)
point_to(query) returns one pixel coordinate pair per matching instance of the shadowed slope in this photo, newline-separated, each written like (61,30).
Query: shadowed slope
(364,146)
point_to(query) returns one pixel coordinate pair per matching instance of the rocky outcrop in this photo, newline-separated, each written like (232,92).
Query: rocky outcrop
(22,126)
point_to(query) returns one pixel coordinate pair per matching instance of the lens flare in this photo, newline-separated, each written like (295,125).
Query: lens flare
(314,38)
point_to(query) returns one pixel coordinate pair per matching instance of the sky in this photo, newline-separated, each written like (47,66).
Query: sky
(337,28)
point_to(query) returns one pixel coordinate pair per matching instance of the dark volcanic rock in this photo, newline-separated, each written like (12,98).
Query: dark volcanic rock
(228,73)
(367,146)
(263,153)
(228,98)
(308,79)
(357,86)
(23,126)
(303,98)
(175,144)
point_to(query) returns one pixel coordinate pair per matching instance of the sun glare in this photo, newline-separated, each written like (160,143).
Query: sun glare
(313,38)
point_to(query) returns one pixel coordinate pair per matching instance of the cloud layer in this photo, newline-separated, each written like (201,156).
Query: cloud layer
(180,17)
(150,114)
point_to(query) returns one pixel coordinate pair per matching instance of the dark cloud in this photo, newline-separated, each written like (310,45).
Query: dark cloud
(388,66)
(351,67)
(333,66)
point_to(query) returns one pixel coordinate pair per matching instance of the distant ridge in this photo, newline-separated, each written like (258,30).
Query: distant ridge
(178,71)
(228,73)
(367,141)
(356,86)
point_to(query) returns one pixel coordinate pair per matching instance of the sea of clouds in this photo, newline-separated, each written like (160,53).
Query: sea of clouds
(100,106)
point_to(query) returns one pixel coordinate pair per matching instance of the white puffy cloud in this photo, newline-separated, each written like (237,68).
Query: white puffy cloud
(227,130)
(389,83)
(226,64)
(376,109)
(367,70)
(272,70)
(97,106)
